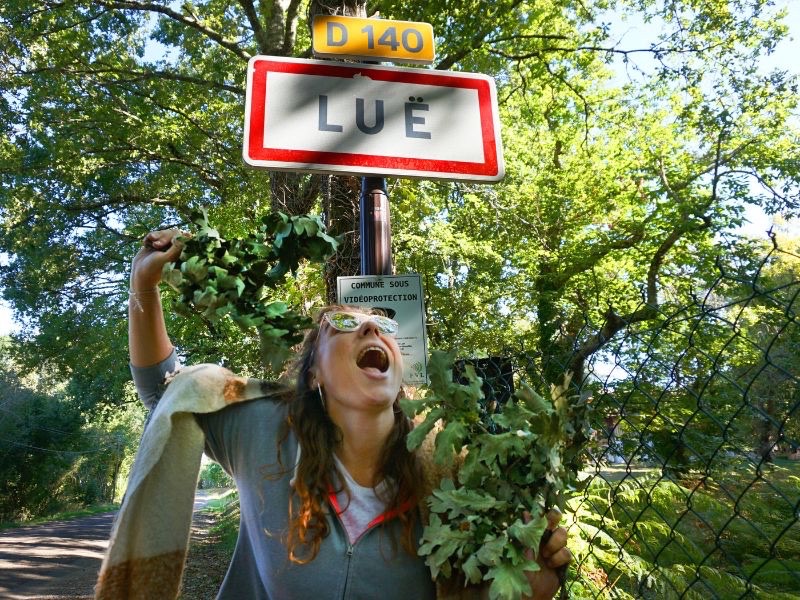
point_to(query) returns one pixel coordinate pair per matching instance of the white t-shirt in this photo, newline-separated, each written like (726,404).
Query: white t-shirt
(363,506)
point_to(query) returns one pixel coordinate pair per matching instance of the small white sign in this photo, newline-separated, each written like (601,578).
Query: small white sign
(401,297)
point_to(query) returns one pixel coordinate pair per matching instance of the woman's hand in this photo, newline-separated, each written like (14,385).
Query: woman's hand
(148,341)
(158,248)
(553,554)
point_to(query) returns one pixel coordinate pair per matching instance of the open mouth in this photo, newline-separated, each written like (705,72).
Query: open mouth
(373,357)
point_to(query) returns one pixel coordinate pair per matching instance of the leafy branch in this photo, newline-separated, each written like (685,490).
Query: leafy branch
(188,18)
(218,277)
(513,464)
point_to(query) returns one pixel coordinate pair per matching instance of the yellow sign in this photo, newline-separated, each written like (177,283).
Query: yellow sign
(368,39)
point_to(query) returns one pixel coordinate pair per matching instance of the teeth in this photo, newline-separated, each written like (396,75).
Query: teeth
(384,357)
(376,349)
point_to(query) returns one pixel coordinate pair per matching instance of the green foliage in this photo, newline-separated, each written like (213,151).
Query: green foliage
(51,458)
(713,377)
(38,438)
(218,277)
(477,529)
(722,536)
(122,118)
(227,527)
(213,476)
(66,515)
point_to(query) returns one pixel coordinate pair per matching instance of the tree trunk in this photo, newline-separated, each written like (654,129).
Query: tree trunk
(554,361)
(340,195)
(340,201)
(115,475)
(347,8)
(766,437)
(293,193)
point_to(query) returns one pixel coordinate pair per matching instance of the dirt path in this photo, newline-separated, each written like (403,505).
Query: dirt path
(58,560)
(207,561)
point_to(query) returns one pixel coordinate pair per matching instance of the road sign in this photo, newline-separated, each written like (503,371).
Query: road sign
(319,116)
(401,297)
(368,39)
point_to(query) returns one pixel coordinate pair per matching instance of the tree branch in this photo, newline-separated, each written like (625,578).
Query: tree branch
(614,323)
(290,33)
(67,26)
(596,254)
(527,36)
(135,76)
(656,52)
(763,182)
(189,21)
(478,40)
(252,17)
(580,95)
(719,159)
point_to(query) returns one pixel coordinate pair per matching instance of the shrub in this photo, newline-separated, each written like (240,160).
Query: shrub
(213,476)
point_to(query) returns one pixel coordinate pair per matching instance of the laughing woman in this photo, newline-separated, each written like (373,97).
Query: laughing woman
(328,491)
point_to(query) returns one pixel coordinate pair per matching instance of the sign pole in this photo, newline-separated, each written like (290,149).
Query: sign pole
(376,228)
(375,224)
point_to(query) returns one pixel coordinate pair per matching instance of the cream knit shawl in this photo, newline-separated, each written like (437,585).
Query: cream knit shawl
(150,535)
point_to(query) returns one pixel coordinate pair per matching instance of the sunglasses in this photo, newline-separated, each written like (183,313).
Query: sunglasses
(347,321)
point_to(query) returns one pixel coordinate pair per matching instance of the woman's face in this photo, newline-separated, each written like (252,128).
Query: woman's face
(362,369)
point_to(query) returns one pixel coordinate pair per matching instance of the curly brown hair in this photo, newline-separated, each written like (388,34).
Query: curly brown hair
(318,435)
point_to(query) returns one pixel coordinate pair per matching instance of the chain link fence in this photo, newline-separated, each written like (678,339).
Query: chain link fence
(690,478)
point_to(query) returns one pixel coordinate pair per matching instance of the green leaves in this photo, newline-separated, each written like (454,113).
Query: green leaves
(477,528)
(218,277)
(529,533)
(442,546)
(508,582)
(449,442)
(420,432)
(458,502)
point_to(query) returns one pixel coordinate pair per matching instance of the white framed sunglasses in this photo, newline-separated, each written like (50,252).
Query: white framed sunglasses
(345,321)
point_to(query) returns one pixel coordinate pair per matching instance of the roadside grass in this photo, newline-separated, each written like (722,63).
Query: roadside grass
(730,534)
(222,497)
(225,509)
(226,528)
(66,515)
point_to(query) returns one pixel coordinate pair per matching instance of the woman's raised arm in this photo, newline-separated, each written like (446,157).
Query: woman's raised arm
(148,341)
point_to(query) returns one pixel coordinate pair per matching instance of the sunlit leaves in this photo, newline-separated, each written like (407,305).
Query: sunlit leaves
(218,277)
(477,528)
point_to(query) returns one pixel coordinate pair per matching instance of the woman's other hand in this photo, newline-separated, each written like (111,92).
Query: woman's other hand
(553,554)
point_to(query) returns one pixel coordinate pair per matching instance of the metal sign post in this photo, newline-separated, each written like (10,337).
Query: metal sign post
(376,228)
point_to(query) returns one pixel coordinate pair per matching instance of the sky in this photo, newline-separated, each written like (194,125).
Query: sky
(785,57)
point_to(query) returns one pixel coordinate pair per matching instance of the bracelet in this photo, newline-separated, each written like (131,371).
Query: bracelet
(135,297)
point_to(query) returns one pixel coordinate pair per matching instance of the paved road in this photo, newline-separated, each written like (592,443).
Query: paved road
(58,560)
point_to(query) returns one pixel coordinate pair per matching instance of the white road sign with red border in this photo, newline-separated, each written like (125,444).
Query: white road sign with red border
(319,116)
